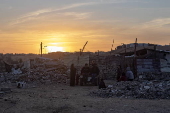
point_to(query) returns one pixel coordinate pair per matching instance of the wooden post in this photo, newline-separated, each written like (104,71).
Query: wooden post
(78,59)
(80,52)
(41,48)
(135,64)
(155,51)
(124,65)
(135,47)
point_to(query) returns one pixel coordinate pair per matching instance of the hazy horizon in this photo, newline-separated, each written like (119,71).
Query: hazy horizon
(66,25)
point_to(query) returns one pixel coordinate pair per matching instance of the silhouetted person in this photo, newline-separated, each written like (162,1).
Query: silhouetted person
(72,75)
(123,77)
(77,78)
(94,72)
(85,72)
(102,84)
(8,67)
(119,72)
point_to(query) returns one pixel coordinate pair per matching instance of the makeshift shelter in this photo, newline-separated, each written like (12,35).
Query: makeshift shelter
(154,59)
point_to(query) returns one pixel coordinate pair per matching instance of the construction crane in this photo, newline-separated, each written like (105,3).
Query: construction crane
(81,50)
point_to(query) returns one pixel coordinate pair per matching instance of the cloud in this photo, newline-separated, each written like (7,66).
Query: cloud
(167,25)
(34,14)
(154,31)
(71,15)
(77,15)
(157,23)
(157,26)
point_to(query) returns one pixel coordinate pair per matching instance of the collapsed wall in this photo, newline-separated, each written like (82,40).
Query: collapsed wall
(107,65)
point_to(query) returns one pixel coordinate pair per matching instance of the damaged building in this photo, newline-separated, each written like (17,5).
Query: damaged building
(148,58)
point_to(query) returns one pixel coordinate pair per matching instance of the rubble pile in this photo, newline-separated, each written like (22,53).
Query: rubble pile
(154,76)
(40,70)
(136,89)
(48,71)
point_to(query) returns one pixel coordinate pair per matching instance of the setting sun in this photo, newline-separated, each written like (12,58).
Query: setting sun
(54,49)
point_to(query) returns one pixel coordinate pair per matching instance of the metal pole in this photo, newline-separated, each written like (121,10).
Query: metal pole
(41,48)
(135,64)
(80,52)
(135,47)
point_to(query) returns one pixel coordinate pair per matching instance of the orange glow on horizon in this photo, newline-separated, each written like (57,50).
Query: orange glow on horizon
(54,49)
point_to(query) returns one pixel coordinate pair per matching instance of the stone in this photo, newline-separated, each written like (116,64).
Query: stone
(140,77)
(146,87)
(110,86)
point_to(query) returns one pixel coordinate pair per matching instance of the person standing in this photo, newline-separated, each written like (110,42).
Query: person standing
(102,84)
(72,75)
(94,72)
(77,78)
(85,72)
(119,73)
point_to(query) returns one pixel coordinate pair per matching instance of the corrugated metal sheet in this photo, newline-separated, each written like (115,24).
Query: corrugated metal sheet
(165,64)
(148,65)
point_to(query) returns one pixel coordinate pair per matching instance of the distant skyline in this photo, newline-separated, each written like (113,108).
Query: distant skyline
(66,25)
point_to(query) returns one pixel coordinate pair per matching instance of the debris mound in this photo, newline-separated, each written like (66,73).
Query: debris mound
(137,89)
(37,70)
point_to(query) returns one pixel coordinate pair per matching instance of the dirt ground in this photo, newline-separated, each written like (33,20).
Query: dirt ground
(61,98)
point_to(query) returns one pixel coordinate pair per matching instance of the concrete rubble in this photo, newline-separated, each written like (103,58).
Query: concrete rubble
(49,71)
(37,71)
(154,76)
(146,89)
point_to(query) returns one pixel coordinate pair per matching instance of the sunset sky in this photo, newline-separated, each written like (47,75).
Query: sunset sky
(65,25)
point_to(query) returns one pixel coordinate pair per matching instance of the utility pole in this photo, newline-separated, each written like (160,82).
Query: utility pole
(41,48)
(135,61)
(135,47)
(125,54)
(155,51)
(80,52)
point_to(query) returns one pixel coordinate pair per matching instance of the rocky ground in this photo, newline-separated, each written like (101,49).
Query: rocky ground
(61,98)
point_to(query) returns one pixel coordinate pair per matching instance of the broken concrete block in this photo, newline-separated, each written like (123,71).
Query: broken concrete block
(146,87)
(110,86)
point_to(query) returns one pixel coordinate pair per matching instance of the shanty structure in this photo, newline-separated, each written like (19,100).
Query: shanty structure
(153,58)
